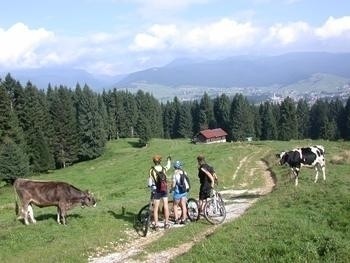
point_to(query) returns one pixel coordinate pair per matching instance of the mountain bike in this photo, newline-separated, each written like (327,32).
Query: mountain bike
(214,209)
(145,215)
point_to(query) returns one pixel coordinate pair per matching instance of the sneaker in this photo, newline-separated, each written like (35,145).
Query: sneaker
(155,227)
(177,221)
(166,226)
(183,222)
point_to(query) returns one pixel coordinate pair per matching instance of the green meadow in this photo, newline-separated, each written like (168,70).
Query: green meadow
(309,223)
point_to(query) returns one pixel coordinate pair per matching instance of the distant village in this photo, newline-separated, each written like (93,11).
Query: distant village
(274,94)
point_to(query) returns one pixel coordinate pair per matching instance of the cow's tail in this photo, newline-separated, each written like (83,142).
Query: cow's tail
(12,180)
(16,207)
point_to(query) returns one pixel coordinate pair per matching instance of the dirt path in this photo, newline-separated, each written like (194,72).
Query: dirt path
(235,207)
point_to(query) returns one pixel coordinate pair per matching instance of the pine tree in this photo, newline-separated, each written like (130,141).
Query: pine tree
(143,129)
(287,124)
(242,119)
(185,121)
(147,104)
(222,111)
(257,122)
(131,112)
(168,119)
(346,120)
(62,112)
(110,108)
(268,122)
(13,158)
(206,113)
(303,119)
(195,113)
(336,109)
(36,128)
(176,123)
(91,134)
(320,127)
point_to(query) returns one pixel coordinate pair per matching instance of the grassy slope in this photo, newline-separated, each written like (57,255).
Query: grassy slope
(305,224)
(118,179)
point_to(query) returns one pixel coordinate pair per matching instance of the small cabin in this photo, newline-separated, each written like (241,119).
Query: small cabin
(211,136)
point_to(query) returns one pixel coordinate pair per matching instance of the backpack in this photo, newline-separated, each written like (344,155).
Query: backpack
(182,183)
(161,181)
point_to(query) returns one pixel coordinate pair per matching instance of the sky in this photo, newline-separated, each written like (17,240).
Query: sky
(112,37)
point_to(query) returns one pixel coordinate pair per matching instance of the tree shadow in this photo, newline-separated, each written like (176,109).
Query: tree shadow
(127,216)
(135,144)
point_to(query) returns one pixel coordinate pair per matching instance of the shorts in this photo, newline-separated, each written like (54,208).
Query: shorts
(204,192)
(159,195)
(178,196)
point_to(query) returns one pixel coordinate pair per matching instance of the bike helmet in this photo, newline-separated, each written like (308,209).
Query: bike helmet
(177,165)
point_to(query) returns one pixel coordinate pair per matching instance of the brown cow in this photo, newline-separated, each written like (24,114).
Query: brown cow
(49,193)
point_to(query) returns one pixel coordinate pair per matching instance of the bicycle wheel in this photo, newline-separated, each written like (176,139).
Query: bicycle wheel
(192,209)
(215,212)
(144,218)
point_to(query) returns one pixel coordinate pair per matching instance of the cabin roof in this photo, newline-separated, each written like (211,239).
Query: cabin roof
(213,133)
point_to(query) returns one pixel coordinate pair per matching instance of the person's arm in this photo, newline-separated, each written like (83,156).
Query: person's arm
(173,183)
(168,163)
(209,175)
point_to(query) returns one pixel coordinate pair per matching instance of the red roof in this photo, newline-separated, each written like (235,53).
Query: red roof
(214,133)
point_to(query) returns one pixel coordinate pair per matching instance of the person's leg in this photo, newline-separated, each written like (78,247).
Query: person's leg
(155,211)
(166,211)
(184,208)
(176,209)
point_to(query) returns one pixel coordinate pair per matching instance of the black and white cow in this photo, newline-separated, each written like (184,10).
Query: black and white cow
(313,157)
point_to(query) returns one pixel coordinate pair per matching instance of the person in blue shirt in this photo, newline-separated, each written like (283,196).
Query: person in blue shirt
(179,189)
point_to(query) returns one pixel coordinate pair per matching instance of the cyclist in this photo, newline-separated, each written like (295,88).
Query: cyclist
(159,192)
(179,188)
(207,179)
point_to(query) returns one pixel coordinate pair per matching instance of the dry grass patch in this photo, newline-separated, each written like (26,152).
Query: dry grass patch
(341,158)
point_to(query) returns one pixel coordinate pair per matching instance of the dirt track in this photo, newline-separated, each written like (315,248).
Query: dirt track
(235,207)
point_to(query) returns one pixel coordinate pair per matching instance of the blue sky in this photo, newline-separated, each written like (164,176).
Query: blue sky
(121,36)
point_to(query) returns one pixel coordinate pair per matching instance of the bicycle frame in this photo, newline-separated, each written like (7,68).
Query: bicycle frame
(145,215)
(214,209)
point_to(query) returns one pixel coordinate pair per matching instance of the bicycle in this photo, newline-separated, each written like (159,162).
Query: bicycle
(144,216)
(214,209)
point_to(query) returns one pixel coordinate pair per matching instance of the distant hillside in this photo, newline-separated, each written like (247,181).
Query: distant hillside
(56,76)
(243,71)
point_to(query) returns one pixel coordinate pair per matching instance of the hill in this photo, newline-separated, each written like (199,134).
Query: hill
(244,71)
(309,223)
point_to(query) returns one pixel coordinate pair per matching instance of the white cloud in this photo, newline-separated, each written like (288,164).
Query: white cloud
(225,33)
(334,27)
(125,51)
(157,37)
(19,44)
(167,5)
(287,34)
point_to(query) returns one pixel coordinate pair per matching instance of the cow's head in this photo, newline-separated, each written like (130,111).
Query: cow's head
(88,199)
(282,157)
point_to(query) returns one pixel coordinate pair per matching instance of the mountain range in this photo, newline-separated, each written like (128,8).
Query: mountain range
(244,71)
(190,77)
